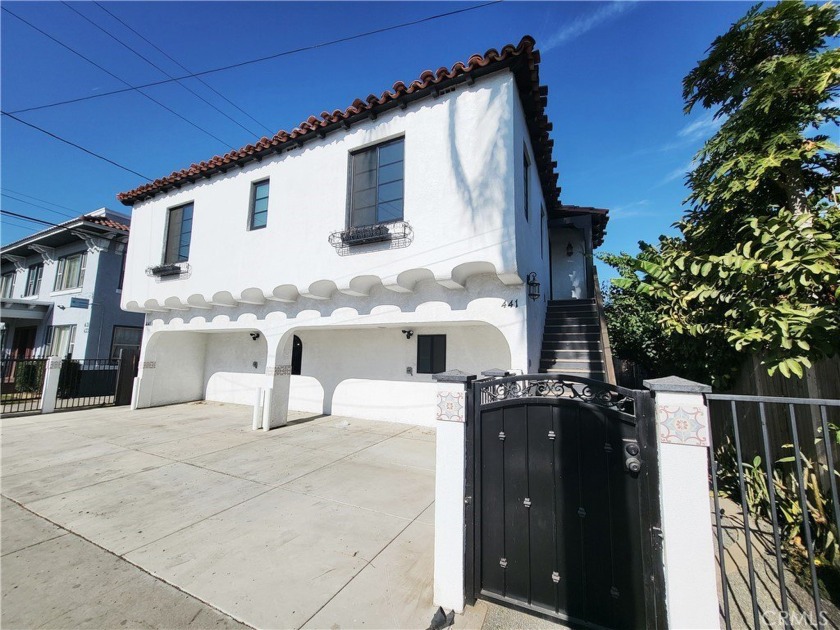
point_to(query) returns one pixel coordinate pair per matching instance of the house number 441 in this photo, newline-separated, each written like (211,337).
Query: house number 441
(511,304)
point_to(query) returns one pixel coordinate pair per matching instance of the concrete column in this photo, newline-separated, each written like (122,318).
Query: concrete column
(278,382)
(49,393)
(453,388)
(682,422)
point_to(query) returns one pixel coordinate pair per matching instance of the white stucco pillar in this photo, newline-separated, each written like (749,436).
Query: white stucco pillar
(682,422)
(452,391)
(49,392)
(278,374)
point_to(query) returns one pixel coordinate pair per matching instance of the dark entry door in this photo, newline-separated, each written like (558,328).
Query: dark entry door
(562,520)
(23,344)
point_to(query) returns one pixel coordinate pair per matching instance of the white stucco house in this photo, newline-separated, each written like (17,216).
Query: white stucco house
(61,291)
(337,267)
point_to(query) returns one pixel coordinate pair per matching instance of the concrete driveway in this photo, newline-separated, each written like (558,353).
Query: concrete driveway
(325,523)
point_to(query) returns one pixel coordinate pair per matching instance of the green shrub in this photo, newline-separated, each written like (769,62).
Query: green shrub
(29,376)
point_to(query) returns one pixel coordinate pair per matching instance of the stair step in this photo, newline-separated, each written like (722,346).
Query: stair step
(589,366)
(572,309)
(588,301)
(559,329)
(595,376)
(573,354)
(571,337)
(572,319)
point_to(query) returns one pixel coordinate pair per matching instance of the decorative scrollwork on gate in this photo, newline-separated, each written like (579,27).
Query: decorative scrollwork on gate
(584,390)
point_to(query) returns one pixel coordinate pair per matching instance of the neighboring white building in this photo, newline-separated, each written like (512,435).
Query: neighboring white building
(340,265)
(61,291)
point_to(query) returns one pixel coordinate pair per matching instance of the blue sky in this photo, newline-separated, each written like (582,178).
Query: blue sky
(614,72)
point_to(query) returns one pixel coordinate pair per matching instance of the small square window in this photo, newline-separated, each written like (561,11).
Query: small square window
(259,205)
(431,354)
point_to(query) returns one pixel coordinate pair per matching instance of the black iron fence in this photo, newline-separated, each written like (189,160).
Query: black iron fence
(21,384)
(774,482)
(87,383)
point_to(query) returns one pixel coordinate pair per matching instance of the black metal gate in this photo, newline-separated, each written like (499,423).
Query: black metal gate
(562,500)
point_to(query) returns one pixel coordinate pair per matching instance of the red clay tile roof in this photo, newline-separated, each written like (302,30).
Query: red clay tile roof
(522,59)
(105,221)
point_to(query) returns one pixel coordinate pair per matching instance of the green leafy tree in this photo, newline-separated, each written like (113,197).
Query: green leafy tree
(758,265)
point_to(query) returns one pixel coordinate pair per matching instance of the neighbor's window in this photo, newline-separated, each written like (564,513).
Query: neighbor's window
(376,184)
(33,279)
(431,354)
(259,205)
(60,340)
(70,272)
(178,234)
(126,338)
(526,170)
(8,284)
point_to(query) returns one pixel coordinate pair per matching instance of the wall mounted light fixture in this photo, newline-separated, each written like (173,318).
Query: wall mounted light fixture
(254,335)
(533,286)
(408,333)
(569,249)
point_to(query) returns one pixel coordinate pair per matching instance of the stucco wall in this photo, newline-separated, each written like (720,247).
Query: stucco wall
(230,373)
(458,188)
(363,373)
(532,254)
(178,373)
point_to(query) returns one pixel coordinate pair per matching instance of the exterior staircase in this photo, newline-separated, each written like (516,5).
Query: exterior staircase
(572,340)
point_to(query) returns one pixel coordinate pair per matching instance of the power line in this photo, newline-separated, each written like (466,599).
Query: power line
(258,60)
(21,226)
(108,72)
(182,66)
(73,144)
(63,214)
(52,203)
(157,67)
(28,218)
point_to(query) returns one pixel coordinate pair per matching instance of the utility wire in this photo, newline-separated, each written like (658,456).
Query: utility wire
(108,72)
(183,67)
(62,214)
(258,60)
(73,144)
(27,218)
(21,226)
(157,67)
(52,203)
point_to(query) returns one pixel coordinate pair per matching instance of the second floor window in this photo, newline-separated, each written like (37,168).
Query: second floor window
(259,205)
(178,234)
(8,284)
(376,184)
(33,279)
(70,272)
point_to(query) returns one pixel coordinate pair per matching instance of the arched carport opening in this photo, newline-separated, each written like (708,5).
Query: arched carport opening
(183,366)
(372,371)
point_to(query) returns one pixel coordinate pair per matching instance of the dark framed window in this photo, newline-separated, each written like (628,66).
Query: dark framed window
(376,184)
(33,279)
(431,354)
(126,338)
(8,284)
(178,234)
(526,170)
(70,272)
(297,355)
(259,205)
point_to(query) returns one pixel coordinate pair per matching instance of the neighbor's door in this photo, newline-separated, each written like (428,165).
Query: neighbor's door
(23,344)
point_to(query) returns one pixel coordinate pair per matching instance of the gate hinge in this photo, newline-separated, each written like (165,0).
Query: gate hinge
(581,512)
(527,502)
(614,592)
(467,500)
(502,436)
(555,577)
(503,562)
(551,435)
(608,447)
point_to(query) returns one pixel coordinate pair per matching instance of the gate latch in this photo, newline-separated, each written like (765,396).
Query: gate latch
(527,502)
(551,435)
(502,436)
(503,562)
(555,577)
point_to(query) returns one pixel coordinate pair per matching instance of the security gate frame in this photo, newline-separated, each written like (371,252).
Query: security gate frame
(635,411)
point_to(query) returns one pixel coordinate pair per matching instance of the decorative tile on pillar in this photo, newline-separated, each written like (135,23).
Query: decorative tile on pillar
(451,406)
(149,365)
(679,424)
(279,370)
